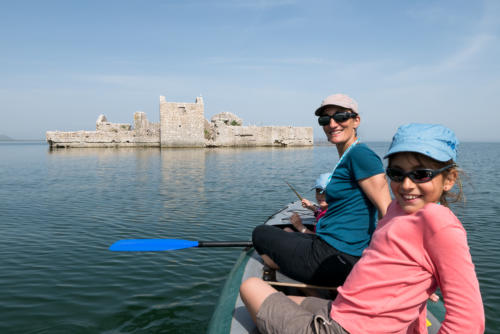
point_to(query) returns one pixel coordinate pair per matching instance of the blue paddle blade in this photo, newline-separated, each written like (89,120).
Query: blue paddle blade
(151,245)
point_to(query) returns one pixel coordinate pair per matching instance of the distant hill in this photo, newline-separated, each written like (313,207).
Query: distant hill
(5,138)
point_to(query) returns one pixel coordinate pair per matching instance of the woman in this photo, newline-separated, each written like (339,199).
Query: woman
(356,191)
(418,246)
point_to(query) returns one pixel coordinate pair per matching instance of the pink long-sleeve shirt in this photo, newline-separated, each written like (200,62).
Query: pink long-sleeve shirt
(410,255)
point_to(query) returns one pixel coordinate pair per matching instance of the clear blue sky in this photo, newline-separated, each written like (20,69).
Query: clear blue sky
(63,63)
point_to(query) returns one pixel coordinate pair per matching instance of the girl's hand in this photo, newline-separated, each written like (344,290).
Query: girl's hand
(307,204)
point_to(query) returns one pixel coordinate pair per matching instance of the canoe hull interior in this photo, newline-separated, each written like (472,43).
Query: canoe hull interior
(230,315)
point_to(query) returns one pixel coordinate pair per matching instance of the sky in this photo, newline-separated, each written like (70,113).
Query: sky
(271,62)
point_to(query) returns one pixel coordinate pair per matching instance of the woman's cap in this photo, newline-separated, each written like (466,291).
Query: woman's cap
(433,140)
(322,182)
(340,100)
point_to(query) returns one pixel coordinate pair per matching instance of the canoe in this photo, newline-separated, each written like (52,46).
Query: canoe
(231,316)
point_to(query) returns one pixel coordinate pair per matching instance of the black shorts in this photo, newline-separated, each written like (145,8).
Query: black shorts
(303,257)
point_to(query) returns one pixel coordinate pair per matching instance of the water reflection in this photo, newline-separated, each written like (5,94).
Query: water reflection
(104,151)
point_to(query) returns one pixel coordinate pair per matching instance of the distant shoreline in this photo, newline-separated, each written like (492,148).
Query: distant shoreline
(3,140)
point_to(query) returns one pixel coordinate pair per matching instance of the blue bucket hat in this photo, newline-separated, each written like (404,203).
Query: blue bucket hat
(321,182)
(433,140)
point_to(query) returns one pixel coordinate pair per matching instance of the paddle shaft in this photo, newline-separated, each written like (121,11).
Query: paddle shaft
(154,245)
(225,244)
(295,191)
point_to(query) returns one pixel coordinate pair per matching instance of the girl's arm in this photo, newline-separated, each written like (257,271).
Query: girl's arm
(457,280)
(308,205)
(376,189)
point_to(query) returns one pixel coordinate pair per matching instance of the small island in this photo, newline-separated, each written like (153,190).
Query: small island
(182,125)
(5,138)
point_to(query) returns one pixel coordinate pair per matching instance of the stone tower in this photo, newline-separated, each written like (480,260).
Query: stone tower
(182,124)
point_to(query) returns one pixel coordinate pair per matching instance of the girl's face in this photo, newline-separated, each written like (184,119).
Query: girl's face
(413,196)
(321,199)
(343,132)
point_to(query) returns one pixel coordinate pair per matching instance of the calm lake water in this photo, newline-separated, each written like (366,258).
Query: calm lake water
(60,210)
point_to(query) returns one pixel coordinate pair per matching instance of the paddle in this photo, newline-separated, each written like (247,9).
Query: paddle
(154,245)
(293,189)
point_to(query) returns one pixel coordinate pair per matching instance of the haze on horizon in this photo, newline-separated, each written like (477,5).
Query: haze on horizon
(271,62)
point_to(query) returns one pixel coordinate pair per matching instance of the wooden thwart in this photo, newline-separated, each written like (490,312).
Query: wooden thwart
(301,285)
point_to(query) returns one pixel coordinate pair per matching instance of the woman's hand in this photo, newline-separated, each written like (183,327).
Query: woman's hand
(297,223)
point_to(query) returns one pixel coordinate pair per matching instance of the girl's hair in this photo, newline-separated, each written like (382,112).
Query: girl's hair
(447,196)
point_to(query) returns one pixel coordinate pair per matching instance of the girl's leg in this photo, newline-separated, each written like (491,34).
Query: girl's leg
(281,314)
(297,299)
(253,292)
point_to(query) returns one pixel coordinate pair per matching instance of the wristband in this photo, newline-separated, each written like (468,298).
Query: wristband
(303,230)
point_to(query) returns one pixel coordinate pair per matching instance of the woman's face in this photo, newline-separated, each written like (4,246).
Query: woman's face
(343,132)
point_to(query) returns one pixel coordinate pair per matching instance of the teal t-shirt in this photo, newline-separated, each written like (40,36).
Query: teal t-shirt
(351,217)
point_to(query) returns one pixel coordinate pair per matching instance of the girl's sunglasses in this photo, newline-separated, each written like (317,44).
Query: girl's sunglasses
(337,117)
(417,175)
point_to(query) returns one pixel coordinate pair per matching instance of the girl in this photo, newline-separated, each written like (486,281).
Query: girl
(319,209)
(418,246)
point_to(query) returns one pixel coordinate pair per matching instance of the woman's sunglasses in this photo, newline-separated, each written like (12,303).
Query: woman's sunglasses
(337,117)
(417,175)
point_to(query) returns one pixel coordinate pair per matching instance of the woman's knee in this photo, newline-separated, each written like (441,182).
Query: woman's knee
(260,237)
(258,232)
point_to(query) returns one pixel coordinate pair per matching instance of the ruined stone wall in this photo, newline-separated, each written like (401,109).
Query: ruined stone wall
(225,129)
(146,131)
(261,136)
(291,136)
(102,124)
(109,134)
(182,124)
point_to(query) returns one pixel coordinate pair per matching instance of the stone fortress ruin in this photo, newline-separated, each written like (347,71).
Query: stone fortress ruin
(182,125)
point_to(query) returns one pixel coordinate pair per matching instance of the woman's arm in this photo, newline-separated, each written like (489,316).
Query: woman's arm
(297,223)
(376,189)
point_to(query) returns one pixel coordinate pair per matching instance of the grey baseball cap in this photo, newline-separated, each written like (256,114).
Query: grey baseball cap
(340,100)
